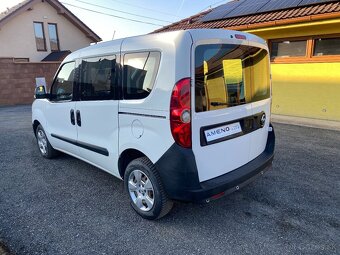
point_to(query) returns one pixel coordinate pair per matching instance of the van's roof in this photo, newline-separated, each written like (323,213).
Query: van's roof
(109,46)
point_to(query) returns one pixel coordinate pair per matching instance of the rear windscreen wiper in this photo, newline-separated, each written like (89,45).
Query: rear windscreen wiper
(217,103)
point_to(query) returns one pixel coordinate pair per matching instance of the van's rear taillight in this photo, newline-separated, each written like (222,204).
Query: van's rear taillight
(180,113)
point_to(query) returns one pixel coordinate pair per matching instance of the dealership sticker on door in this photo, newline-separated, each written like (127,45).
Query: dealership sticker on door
(222,131)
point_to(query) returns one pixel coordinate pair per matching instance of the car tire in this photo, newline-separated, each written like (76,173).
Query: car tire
(44,146)
(145,189)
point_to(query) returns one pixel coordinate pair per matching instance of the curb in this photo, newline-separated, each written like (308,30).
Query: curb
(306,122)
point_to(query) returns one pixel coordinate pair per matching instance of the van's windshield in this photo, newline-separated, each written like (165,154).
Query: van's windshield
(228,75)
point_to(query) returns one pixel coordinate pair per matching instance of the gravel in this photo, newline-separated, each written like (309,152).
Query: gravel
(66,206)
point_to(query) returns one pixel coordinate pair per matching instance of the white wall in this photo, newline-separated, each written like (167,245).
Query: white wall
(17,36)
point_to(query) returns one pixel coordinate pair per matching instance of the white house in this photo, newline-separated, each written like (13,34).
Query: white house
(42,30)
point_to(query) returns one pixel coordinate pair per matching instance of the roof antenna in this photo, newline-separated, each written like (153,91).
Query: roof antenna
(113,36)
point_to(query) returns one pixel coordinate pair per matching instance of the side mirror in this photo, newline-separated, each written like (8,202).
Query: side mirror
(40,93)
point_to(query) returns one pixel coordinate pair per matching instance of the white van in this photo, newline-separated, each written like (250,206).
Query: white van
(181,115)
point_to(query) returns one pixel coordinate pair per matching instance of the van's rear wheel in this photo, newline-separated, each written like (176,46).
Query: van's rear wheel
(45,148)
(145,189)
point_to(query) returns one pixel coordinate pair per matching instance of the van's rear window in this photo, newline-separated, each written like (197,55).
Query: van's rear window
(228,75)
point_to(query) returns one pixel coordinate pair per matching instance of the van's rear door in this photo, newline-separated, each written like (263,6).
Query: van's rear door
(227,79)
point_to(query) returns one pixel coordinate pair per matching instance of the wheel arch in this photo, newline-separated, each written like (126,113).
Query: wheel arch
(35,125)
(126,157)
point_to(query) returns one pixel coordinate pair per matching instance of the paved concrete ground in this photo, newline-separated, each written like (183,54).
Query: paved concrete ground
(65,206)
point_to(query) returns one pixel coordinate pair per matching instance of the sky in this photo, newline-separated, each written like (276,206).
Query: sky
(149,15)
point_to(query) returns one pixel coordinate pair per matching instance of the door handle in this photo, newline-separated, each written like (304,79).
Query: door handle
(73,122)
(78,118)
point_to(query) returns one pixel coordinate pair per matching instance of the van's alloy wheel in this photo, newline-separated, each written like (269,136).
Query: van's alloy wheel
(141,190)
(45,148)
(145,189)
(42,142)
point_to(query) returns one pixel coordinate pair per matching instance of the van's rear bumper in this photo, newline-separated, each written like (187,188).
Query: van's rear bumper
(179,175)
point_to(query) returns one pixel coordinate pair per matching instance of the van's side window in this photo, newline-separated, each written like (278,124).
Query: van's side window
(140,70)
(98,78)
(62,88)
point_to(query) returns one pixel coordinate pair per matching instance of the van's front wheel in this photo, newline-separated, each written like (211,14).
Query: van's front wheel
(45,148)
(145,189)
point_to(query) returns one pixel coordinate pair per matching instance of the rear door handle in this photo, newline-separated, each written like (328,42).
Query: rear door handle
(78,118)
(72,117)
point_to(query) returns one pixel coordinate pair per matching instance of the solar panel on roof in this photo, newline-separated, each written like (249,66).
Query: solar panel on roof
(274,5)
(308,2)
(222,10)
(247,7)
